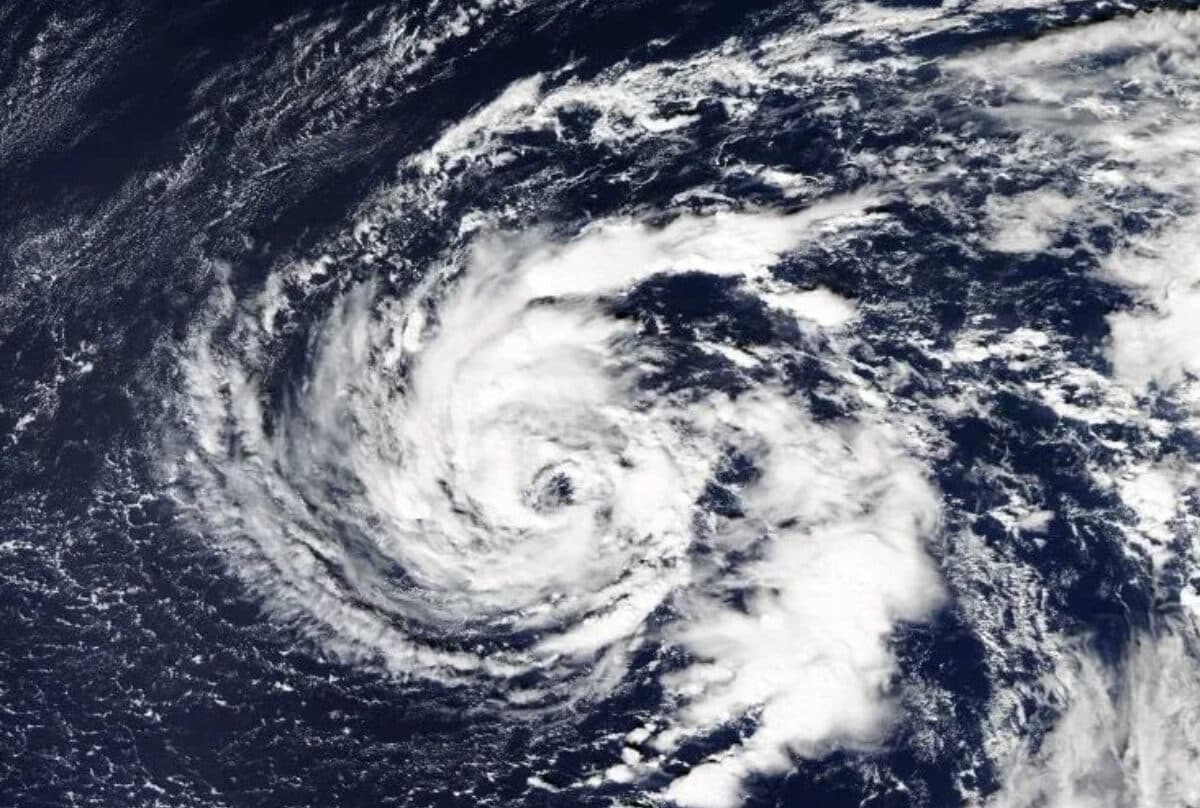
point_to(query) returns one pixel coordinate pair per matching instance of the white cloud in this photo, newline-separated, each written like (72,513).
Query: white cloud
(486,438)
(1127,737)
(1028,222)
(1156,341)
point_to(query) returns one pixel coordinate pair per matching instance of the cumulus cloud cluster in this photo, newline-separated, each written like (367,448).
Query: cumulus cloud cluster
(1119,89)
(1118,96)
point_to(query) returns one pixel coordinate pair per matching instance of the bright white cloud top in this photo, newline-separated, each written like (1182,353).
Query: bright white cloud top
(483,459)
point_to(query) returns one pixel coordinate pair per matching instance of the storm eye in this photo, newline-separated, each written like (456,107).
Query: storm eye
(551,488)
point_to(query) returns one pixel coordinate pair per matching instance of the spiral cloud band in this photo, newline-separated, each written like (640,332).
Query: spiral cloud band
(481,483)
(512,403)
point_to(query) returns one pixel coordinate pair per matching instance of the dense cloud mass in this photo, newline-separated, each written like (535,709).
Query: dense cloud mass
(521,403)
(487,459)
